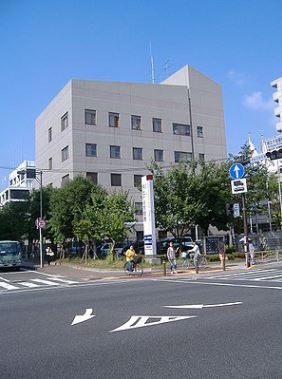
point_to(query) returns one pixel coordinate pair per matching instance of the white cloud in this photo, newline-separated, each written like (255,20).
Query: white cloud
(255,101)
(236,77)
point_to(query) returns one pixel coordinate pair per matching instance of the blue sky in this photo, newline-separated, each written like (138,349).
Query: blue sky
(46,43)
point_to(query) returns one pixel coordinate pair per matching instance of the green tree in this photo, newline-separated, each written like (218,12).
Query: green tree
(175,204)
(118,211)
(89,228)
(67,205)
(13,220)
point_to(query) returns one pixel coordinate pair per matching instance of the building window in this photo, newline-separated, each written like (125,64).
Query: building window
(64,121)
(50,164)
(135,122)
(90,117)
(49,134)
(65,179)
(138,208)
(182,156)
(115,151)
(137,181)
(113,120)
(93,176)
(200,132)
(158,155)
(65,153)
(181,129)
(137,153)
(91,149)
(157,125)
(116,180)
(201,157)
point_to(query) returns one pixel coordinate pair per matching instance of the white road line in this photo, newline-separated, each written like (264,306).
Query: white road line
(66,281)
(28,284)
(48,282)
(258,272)
(5,280)
(222,284)
(268,277)
(8,286)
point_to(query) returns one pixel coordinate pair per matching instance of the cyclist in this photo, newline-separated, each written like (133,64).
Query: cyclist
(130,254)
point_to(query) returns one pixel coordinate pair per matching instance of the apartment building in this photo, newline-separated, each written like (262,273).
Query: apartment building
(277,97)
(21,182)
(111,131)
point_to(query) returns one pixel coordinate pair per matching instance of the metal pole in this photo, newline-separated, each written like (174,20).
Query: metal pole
(191,124)
(40,228)
(246,238)
(279,189)
(268,207)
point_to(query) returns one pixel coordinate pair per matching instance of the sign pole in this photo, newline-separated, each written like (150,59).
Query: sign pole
(246,238)
(40,227)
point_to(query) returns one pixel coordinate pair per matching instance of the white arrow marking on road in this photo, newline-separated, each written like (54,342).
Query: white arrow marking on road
(86,316)
(237,169)
(141,321)
(200,306)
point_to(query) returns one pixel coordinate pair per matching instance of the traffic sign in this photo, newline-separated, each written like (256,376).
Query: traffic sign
(236,171)
(40,223)
(236,210)
(239,186)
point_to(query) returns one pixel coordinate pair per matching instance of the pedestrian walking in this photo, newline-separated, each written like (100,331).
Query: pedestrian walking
(252,252)
(49,255)
(186,259)
(171,258)
(197,256)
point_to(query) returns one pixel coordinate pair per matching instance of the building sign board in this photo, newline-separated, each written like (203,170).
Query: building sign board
(149,216)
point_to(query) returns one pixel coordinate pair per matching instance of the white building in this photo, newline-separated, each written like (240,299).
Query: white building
(277,97)
(21,182)
(111,131)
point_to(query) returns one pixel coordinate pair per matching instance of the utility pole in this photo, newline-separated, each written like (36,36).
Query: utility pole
(41,218)
(246,237)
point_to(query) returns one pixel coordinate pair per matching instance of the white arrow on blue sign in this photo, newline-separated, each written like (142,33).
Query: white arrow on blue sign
(236,171)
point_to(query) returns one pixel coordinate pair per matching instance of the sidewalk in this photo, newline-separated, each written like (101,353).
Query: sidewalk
(87,273)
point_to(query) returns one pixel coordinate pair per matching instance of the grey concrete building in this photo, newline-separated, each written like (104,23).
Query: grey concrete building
(111,131)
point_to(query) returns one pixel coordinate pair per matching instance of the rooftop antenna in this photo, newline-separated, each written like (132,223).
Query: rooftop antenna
(152,65)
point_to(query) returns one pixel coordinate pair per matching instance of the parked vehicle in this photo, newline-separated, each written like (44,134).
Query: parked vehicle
(181,244)
(105,248)
(10,254)
(138,246)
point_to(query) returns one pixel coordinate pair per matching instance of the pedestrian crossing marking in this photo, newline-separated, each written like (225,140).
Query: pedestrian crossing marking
(28,284)
(43,281)
(8,286)
(66,281)
(36,283)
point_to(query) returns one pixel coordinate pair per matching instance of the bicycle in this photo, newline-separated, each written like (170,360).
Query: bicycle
(137,267)
(203,262)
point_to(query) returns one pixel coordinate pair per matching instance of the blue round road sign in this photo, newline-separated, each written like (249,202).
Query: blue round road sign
(237,171)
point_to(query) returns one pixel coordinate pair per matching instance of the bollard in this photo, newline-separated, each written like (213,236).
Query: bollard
(164,268)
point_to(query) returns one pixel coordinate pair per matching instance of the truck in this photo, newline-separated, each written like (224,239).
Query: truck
(10,254)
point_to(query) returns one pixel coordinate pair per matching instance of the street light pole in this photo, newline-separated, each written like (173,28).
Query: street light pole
(40,228)
(246,237)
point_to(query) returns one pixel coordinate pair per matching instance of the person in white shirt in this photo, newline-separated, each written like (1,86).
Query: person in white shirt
(171,258)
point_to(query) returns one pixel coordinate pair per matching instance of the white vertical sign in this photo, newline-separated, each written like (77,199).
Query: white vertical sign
(149,216)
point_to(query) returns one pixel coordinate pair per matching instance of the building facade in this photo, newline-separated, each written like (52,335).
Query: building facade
(277,97)
(111,131)
(21,183)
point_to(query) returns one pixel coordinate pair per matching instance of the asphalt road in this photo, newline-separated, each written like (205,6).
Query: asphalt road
(242,340)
